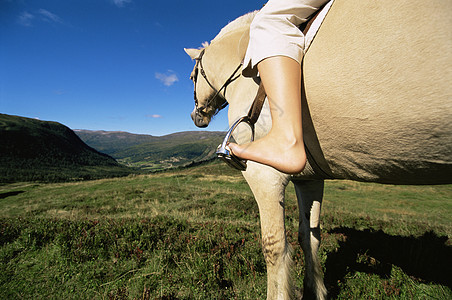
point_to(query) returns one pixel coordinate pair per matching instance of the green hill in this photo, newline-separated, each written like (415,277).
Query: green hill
(152,152)
(34,150)
(112,142)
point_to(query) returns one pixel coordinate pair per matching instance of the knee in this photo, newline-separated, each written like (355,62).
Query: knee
(273,248)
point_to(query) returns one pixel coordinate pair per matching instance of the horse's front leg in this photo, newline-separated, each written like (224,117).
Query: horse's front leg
(310,195)
(268,186)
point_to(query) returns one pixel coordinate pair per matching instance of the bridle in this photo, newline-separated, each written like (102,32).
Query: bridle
(198,66)
(223,151)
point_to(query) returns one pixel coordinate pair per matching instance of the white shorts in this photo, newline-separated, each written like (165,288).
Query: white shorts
(274,31)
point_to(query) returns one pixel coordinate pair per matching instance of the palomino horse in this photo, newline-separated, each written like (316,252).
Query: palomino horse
(377,107)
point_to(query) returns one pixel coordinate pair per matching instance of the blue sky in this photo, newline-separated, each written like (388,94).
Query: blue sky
(115,65)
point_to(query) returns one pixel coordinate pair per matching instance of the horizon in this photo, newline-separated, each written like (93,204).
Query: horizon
(178,132)
(119,131)
(111,65)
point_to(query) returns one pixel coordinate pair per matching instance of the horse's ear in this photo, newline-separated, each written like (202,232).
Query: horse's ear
(193,53)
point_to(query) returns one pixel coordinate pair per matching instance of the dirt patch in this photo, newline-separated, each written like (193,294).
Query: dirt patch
(226,178)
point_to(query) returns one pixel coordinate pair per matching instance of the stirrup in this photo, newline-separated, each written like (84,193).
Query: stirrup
(225,153)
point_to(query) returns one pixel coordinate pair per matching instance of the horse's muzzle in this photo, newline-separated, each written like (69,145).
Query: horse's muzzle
(200,120)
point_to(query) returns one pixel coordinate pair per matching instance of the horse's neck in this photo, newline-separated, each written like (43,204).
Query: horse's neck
(241,92)
(228,52)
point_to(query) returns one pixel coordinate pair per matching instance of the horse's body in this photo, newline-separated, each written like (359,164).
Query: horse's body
(377,107)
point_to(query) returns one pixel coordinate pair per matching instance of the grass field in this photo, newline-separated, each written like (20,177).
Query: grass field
(194,234)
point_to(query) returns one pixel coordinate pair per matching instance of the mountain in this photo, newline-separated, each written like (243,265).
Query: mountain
(33,150)
(152,152)
(111,142)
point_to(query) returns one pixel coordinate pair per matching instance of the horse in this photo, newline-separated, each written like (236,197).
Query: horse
(376,107)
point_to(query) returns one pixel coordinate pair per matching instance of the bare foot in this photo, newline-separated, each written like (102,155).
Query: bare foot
(284,154)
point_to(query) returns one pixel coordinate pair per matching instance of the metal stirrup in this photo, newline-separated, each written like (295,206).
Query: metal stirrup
(223,150)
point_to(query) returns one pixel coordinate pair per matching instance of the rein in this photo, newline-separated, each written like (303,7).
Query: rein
(231,78)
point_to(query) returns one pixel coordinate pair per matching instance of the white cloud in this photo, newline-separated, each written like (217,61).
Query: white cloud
(48,16)
(25,19)
(59,92)
(121,3)
(155,116)
(167,79)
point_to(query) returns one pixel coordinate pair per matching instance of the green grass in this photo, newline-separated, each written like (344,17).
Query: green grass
(194,234)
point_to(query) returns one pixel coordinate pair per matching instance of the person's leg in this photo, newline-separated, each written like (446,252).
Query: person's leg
(283,147)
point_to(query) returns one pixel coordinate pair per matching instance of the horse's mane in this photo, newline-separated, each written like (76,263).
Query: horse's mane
(238,23)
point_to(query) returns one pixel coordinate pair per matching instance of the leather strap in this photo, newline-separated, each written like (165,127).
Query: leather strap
(256,107)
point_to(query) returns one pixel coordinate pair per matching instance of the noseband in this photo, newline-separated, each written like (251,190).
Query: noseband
(198,66)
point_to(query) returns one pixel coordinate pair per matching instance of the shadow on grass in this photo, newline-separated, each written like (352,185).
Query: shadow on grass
(426,258)
(8,194)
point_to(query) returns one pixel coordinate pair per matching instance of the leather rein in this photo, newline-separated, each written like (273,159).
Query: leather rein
(256,106)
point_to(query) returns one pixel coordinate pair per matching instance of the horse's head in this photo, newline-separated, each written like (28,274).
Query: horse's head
(215,62)
(208,98)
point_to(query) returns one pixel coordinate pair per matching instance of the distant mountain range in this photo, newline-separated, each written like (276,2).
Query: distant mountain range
(153,152)
(34,150)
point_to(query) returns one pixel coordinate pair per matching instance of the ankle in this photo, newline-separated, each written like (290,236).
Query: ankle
(287,136)
(289,141)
